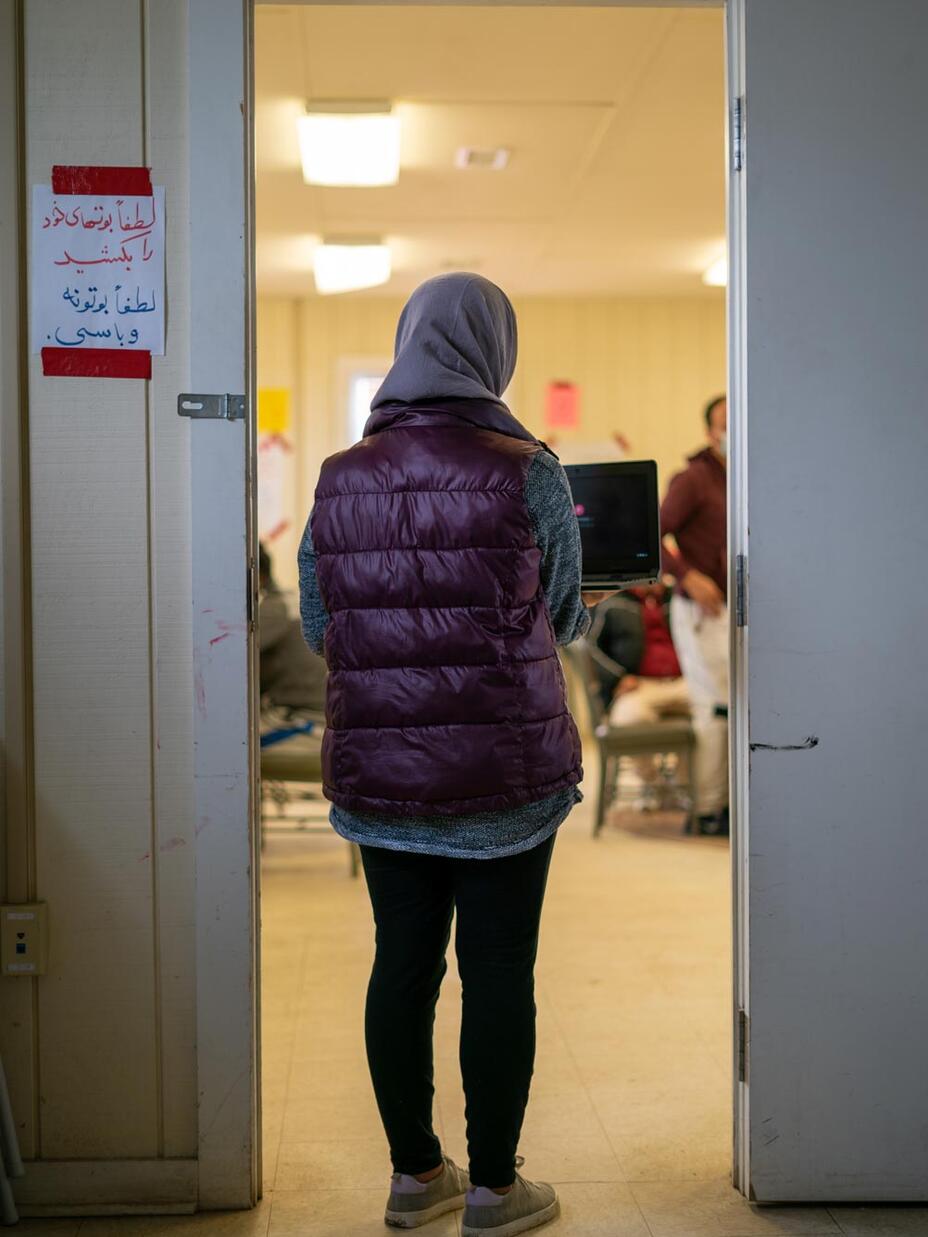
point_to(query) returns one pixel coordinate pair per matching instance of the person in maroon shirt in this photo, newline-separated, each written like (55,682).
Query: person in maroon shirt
(694,513)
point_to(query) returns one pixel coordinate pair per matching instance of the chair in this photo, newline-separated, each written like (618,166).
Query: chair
(640,739)
(292,754)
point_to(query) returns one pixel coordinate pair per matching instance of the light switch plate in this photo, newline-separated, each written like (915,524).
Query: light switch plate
(24,939)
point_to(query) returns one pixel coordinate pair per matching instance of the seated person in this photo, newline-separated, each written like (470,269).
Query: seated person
(639,675)
(292,676)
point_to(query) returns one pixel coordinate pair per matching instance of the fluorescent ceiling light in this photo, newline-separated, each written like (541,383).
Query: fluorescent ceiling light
(353,144)
(716,275)
(348,265)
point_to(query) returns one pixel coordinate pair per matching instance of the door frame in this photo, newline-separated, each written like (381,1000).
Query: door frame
(224,570)
(738,559)
(213,998)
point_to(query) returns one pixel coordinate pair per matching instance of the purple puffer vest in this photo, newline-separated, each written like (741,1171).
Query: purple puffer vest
(445,693)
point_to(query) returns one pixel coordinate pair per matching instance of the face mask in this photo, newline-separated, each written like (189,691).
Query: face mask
(723,444)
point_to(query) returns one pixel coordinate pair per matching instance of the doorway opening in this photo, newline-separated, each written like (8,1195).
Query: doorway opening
(576,157)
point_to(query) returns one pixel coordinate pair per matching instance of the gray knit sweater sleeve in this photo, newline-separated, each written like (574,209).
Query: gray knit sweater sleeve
(551,507)
(313,614)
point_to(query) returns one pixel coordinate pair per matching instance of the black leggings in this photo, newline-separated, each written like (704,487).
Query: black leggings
(498,903)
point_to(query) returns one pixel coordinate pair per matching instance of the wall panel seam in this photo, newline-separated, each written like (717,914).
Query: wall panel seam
(25,541)
(145,82)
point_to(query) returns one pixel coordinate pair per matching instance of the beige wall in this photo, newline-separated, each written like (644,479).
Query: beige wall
(644,366)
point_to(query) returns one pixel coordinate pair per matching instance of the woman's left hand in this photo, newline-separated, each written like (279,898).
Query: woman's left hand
(594,598)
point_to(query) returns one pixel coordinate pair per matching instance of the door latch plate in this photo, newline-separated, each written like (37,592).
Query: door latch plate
(211,407)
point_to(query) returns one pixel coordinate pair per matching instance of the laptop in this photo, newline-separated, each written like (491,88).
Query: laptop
(619,516)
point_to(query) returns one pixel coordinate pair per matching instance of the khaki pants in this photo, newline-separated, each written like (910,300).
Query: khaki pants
(652,701)
(701,641)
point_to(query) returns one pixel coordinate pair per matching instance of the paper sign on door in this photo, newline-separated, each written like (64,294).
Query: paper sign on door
(98,272)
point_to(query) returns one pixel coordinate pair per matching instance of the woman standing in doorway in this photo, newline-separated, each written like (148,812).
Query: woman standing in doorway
(439,569)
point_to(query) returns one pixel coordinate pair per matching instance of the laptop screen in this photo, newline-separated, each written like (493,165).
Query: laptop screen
(617,511)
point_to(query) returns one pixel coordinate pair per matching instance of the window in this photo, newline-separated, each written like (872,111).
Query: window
(362,387)
(356,381)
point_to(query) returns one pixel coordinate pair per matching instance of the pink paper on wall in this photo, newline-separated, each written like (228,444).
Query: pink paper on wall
(562,405)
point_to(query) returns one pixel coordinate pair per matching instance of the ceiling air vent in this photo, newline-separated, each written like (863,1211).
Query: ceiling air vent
(492,159)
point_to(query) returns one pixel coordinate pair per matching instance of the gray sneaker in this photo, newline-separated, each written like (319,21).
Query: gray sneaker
(529,1204)
(412,1203)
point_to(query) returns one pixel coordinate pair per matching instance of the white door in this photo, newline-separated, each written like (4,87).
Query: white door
(830,454)
(128,806)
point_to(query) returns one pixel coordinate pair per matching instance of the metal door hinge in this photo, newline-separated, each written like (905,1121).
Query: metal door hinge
(212,407)
(741,591)
(737,134)
(744,1033)
(251,592)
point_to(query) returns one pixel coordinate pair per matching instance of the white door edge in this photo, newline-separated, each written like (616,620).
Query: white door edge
(221,339)
(739,715)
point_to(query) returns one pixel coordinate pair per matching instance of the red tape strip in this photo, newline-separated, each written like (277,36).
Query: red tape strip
(96,363)
(133,182)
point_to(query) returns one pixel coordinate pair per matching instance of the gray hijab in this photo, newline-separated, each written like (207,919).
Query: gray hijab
(456,339)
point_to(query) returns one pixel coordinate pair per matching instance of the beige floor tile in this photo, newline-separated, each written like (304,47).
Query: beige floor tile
(664,1131)
(688,1157)
(311,1077)
(447,1069)
(335,1118)
(556,1158)
(714,1209)
(274,1096)
(340,1213)
(269,1156)
(897,1221)
(598,1209)
(664,1107)
(252,1223)
(328,1041)
(550,1115)
(356,1164)
(270,1152)
(641,1061)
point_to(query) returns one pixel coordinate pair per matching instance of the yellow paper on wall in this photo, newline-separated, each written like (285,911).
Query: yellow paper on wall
(273,410)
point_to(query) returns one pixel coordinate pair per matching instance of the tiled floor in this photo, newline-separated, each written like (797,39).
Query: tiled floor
(630,1111)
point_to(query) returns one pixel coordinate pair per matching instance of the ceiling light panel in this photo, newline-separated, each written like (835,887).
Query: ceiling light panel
(348,266)
(350,144)
(716,275)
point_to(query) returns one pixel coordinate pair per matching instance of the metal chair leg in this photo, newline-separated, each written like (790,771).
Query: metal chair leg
(601,793)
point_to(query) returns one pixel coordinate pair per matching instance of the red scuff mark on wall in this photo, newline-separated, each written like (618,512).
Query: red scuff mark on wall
(216,639)
(199,686)
(278,530)
(267,441)
(231,628)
